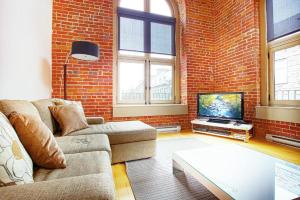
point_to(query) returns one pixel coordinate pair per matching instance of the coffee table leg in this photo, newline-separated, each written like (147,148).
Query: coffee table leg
(177,168)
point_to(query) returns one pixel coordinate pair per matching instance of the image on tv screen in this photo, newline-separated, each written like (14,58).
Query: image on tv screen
(221,105)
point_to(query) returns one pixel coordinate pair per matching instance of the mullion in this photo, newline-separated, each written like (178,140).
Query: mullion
(147,80)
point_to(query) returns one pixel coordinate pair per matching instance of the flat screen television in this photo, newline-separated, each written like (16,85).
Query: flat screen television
(221,105)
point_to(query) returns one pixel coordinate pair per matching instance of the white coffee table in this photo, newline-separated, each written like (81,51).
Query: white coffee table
(235,172)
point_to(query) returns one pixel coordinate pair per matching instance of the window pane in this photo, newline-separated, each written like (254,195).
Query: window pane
(283,17)
(131,82)
(161,38)
(131,34)
(169,57)
(161,82)
(287,74)
(131,53)
(132,4)
(160,7)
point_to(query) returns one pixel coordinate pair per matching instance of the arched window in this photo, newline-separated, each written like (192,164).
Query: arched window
(160,7)
(146,52)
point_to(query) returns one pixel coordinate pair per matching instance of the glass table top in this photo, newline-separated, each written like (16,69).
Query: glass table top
(244,173)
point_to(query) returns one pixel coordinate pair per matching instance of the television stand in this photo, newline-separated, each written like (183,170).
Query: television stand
(221,121)
(206,127)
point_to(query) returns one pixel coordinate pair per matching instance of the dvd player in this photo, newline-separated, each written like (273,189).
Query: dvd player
(221,121)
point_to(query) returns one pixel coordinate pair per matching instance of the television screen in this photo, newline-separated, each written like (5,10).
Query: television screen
(221,105)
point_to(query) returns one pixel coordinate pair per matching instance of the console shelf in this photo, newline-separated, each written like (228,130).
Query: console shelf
(229,134)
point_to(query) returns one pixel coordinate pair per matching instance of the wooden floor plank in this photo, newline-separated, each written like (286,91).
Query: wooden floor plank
(123,188)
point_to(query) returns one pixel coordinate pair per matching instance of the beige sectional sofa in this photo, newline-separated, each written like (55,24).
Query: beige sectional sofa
(89,154)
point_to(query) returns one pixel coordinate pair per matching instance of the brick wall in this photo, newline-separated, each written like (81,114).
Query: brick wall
(219,52)
(237,51)
(89,82)
(237,68)
(92,83)
(198,43)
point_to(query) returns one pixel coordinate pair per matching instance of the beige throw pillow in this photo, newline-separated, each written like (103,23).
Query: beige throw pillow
(69,117)
(60,102)
(38,141)
(15,164)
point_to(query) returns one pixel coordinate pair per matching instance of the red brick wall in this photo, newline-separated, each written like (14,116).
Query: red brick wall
(237,51)
(286,129)
(89,82)
(92,83)
(219,52)
(199,48)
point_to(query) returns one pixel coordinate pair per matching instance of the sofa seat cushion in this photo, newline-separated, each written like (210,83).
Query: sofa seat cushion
(84,143)
(78,164)
(91,187)
(42,106)
(122,132)
(20,106)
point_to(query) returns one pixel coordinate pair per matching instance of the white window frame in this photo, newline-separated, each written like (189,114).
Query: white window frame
(277,45)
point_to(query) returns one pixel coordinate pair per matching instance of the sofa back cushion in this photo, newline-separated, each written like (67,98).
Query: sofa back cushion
(15,164)
(38,140)
(20,106)
(43,108)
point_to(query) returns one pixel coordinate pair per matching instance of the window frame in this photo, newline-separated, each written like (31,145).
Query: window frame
(148,18)
(277,45)
(266,51)
(147,58)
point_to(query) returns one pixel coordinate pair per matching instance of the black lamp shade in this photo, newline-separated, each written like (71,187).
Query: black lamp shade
(84,50)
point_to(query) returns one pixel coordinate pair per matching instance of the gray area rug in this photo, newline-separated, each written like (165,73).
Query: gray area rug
(153,179)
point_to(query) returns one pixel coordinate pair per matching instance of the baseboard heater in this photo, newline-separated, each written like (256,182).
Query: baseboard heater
(283,140)
(168,129)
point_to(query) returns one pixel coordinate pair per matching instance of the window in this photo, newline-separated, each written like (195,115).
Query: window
(132,4)
(146,61)
(283,39)
(131,82)
(161,82)
(285,74)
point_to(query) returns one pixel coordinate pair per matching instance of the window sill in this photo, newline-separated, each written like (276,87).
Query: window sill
(286,114)
(149,110)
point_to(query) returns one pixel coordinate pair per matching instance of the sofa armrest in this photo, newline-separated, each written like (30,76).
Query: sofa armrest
(92,187)
(95,120)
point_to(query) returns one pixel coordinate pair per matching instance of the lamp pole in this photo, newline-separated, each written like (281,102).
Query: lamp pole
(65,81)
(65,75)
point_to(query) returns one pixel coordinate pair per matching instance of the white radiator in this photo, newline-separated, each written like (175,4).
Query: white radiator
(283,140)
(168,129)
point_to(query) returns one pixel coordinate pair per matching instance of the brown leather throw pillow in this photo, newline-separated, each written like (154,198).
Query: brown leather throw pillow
(69,117)
(38,141)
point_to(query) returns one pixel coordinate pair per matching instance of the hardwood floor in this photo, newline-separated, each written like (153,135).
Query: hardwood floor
(290,154)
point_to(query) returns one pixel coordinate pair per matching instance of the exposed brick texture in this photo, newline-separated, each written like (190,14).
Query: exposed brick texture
(89,82)
(237,51)
(219,52)
(286,129)
(199,48)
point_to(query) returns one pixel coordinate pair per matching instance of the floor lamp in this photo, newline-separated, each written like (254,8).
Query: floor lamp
(81,50)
